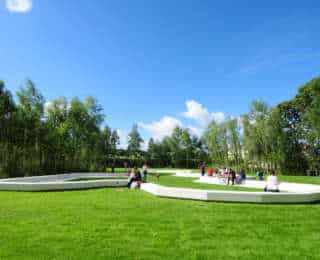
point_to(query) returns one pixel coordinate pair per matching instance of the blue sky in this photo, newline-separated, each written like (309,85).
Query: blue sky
(161,63)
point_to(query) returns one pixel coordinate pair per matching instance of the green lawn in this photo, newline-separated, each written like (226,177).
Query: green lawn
(187,182)
(300,179)
(117,223)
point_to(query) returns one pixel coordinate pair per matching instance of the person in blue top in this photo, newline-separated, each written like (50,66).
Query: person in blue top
(260,175)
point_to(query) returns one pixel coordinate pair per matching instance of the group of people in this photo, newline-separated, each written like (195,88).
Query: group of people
(226,173)
(136,177)
(230,176)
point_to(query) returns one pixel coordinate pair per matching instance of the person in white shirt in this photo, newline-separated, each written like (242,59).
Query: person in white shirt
(272,183)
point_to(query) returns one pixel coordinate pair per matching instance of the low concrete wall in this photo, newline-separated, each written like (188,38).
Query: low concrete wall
(230,196)
(62,182)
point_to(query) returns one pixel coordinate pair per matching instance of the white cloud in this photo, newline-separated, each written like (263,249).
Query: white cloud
(123,139)
(161,128)
(199,113)
(19,6)
(195,131)
(46,107)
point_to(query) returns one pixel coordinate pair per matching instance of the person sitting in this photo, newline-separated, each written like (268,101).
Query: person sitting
(210,172)
(272,183)
(131,177)
(241,177)
(134,179)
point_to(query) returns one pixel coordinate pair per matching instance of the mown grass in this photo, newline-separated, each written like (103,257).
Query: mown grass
(300,179)
(117,223)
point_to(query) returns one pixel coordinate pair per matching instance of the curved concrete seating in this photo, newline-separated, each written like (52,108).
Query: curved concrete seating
(179,173)
(283,186)
(230,196)
(295,192)
(62,182)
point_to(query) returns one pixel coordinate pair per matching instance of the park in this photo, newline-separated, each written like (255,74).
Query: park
(159,130)
(105,219)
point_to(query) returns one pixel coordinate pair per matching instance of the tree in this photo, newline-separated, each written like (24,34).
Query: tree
(187,146)
(31,112)
(215,137)
(152,149)
(7,131)
(134,141)
(114,141)
(234,141)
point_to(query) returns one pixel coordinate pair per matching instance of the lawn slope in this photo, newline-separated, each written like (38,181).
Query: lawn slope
(117,223)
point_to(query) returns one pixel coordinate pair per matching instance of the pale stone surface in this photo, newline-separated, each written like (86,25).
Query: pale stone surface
(62,182)
(179,173)
(284,186)
(294,192)
(231,196)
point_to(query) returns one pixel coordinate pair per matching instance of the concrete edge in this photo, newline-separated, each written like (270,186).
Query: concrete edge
(63,185)
(230,196)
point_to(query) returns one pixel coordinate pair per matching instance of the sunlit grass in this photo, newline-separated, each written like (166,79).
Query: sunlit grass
(117,223)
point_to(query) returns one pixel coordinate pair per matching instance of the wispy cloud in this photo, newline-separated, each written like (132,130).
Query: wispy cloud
(19,6)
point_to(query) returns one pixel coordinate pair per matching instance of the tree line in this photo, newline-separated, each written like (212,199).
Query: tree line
(284,138)
(71,135)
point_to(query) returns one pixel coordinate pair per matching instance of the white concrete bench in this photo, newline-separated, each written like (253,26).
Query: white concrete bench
(62,182)
(230,196)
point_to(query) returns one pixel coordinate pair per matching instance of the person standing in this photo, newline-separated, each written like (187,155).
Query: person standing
(145,172)
(231,176)
(112,167)
(202,169)
(125,165)
(260,175)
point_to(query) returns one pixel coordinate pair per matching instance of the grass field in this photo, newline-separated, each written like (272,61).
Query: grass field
(117,223)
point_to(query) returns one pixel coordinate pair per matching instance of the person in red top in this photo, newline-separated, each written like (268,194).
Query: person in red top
(210,172)
(202,169)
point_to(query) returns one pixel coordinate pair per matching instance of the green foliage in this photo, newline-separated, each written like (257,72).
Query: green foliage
(134,141)
(180,149)
(224,144)
(70,135)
